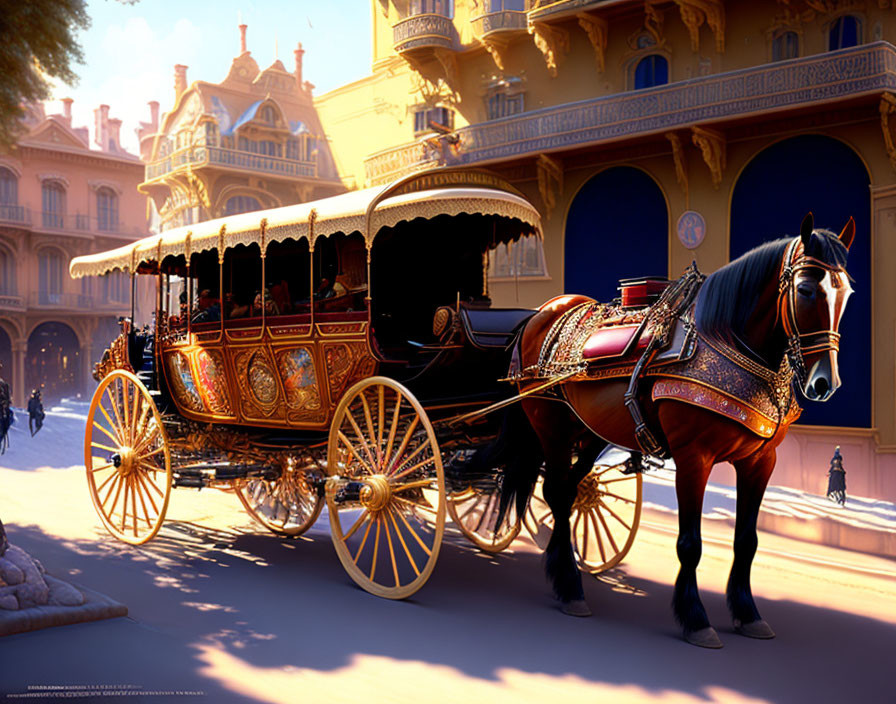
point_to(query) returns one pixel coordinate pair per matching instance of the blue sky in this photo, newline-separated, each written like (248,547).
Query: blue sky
(130,50)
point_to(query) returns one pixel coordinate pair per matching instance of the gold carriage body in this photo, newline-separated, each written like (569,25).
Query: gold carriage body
(313,353)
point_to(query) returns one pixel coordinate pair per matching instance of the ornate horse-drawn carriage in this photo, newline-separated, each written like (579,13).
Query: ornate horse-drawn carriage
(321,354)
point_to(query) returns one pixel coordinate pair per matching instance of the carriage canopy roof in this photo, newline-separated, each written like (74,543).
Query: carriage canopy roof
(367,211)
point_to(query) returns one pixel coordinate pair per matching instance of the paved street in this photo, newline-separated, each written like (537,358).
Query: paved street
(220,607)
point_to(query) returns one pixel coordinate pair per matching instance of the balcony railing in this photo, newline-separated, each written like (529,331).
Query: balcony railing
(504,22)
(15,214)
(85,223)
(389,164)
(71,301)
(542,9)
(9,301)
(233,158)
(425,31)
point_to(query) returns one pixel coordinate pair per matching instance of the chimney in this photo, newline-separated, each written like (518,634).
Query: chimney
(300,52)
(154,115)
(101,127)
(180,79)
(243,49)
(114,144)
(67,110)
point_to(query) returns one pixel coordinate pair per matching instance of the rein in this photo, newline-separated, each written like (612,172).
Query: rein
(800,344)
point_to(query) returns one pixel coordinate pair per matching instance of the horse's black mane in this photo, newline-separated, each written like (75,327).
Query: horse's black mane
(729,296)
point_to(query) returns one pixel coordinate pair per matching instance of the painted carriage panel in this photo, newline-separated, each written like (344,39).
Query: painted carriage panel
(181,382)
(298,375)
(212,378)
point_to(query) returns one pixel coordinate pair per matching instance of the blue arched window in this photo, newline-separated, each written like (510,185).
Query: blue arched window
(241,204)
(651,71)
(785,46)
(845,32)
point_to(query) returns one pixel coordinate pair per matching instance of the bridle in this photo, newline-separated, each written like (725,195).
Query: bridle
(800,344)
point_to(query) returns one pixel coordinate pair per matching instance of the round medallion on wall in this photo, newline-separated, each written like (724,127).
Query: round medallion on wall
(262,381)
(691,229)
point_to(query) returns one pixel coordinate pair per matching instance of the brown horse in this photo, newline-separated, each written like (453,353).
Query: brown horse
(784,298)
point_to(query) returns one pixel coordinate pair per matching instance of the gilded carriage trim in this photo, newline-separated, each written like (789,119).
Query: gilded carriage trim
(181,381)
(115,357)
(346,363)
(243,334)
(210,372)
(358,327)
(292,331)
(704,396)
(262,381)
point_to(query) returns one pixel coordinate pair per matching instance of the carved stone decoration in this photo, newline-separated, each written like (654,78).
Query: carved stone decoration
(713,146)
(596,29)
(695,12)
(552,42)
(496,45)
(681,165)
(654,20)
(888,108)
(550,181)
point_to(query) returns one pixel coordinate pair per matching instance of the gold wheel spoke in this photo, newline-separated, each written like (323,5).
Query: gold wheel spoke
(371,433)
(363,540)
(403,544)
(585,544)
(600,543)
(153,453)
(409,433)
(124,505)
(423,445)
(348,443)
(411,485)
(149,495)
(151,483)
(104,447)
(121,426)
(134,504)
(146,440)
(414,504)
(376,547)
(393,429)
(391,552)
(124,405)
(360,436)
(413,532)
(138,486)
(380,416)
(108,479)
(614,514)
(134,416)
(118,485)
(410,470)
(351,531)
(607,530)
(110,421)
(473,505)
(102,467)
(617,496)
(108,434)
(619,479)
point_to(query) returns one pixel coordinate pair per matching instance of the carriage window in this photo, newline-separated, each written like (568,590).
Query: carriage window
(340,273)
(204,273)
(242,281)
(525,257)
(288,273)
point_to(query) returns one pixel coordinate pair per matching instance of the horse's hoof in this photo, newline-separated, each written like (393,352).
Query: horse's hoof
(756,629)
(577,607)
(704,638)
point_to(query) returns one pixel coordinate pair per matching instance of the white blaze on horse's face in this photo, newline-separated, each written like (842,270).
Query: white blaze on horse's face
(820,303)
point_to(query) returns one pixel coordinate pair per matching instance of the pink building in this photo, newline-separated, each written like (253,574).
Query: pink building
(60,198)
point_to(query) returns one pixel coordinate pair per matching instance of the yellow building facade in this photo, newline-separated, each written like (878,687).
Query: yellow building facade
(650,134)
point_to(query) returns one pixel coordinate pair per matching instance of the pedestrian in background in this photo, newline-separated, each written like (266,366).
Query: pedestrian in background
(837,479)
(35,412)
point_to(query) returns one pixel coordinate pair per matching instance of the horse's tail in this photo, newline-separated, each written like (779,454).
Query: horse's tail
(522,459)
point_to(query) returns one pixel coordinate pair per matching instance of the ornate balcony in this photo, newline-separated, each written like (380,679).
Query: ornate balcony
(497,29)
(390,164)
(419,34)
(11,302)
(198,156)
(540,10)
(15,214)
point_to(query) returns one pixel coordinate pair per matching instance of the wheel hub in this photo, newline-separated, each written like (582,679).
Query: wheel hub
(376,493)
(588,494)
(124,460)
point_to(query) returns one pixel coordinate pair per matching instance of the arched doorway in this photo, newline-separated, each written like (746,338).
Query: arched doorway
(774,192)
(617,228)
(6,370)
(53,361)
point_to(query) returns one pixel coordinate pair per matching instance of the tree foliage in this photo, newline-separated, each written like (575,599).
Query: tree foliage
(37,42)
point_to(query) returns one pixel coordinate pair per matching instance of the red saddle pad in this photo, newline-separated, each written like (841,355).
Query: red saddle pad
(612,341)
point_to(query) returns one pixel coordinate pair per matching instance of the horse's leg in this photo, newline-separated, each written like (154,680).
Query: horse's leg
(692,473)
(752,478)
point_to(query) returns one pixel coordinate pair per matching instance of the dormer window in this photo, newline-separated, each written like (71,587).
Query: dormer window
(268,115)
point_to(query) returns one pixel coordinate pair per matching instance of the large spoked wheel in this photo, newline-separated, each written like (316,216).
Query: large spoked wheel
(287,505)
(604,519)
(386,492)
(127,459)
(476,511)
